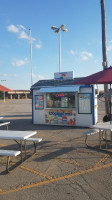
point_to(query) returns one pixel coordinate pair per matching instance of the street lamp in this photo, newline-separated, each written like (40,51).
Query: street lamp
(58,30)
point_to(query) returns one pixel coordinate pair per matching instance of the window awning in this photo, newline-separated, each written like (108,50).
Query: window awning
(71,88)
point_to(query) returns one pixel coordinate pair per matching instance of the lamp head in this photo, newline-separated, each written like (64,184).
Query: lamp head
(57,31)
(54,27)
(64,30)
(62,26)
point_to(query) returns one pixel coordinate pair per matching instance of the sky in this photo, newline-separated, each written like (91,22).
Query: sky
(81,46)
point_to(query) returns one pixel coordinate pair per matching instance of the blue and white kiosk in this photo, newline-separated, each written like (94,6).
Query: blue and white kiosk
(60,102)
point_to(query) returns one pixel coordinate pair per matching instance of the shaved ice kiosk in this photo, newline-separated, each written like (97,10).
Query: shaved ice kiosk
(60,102)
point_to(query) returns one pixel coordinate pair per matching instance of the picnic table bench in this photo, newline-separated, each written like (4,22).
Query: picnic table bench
(8,154)
(90,132)
(2,123)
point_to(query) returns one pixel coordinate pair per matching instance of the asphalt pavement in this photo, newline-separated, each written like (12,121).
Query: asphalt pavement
(63,168)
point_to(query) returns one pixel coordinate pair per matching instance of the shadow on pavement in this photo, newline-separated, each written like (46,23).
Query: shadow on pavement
(26,125)
(54,154)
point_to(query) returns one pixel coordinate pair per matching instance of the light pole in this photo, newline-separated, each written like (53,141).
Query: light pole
(4,92)
(58,30)
(31,55)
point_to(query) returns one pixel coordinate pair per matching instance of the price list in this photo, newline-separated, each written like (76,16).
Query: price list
(84,103)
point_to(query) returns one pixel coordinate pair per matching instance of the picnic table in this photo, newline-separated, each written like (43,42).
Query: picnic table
(104,128)
(17,136)
(101,129)
(20,137)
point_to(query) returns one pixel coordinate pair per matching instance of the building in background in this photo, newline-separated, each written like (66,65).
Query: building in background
(19,94)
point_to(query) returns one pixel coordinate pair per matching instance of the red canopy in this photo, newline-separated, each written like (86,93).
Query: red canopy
(102,77)
(3,88)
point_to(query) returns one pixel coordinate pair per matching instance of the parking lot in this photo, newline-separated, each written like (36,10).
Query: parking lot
(63,167)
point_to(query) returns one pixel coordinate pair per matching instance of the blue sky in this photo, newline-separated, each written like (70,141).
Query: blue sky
(81,46)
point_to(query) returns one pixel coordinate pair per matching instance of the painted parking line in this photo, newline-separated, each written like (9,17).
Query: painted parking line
(1,190)
(102,160)
(88,151)
(69,161)
(55,179)
(33,171)
(36,172)
(73,162)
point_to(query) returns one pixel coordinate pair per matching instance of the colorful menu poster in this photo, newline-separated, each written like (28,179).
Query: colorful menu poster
(60,116)
(84,106)
(39,102)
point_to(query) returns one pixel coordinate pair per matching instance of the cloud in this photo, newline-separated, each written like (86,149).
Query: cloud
(72,52)
(38,46)
(109,48)
(12,28)
(23,35)
(40,77)
(5,75)
(33,75)
(33,39)
(20,30)
(9,75)
(19,63)
(86,55)
(21,27)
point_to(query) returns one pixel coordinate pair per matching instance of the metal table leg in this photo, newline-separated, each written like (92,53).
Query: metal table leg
(7,165)
(106,139)
(25,149)
(100,138)
(21,147)
(111,136)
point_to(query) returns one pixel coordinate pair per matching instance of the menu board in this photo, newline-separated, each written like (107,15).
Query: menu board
(39,102)
(84,106)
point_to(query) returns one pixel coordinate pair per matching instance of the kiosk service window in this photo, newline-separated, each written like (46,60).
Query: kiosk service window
(60,100)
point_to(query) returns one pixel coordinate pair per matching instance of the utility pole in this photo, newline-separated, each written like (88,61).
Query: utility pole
(104,53)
